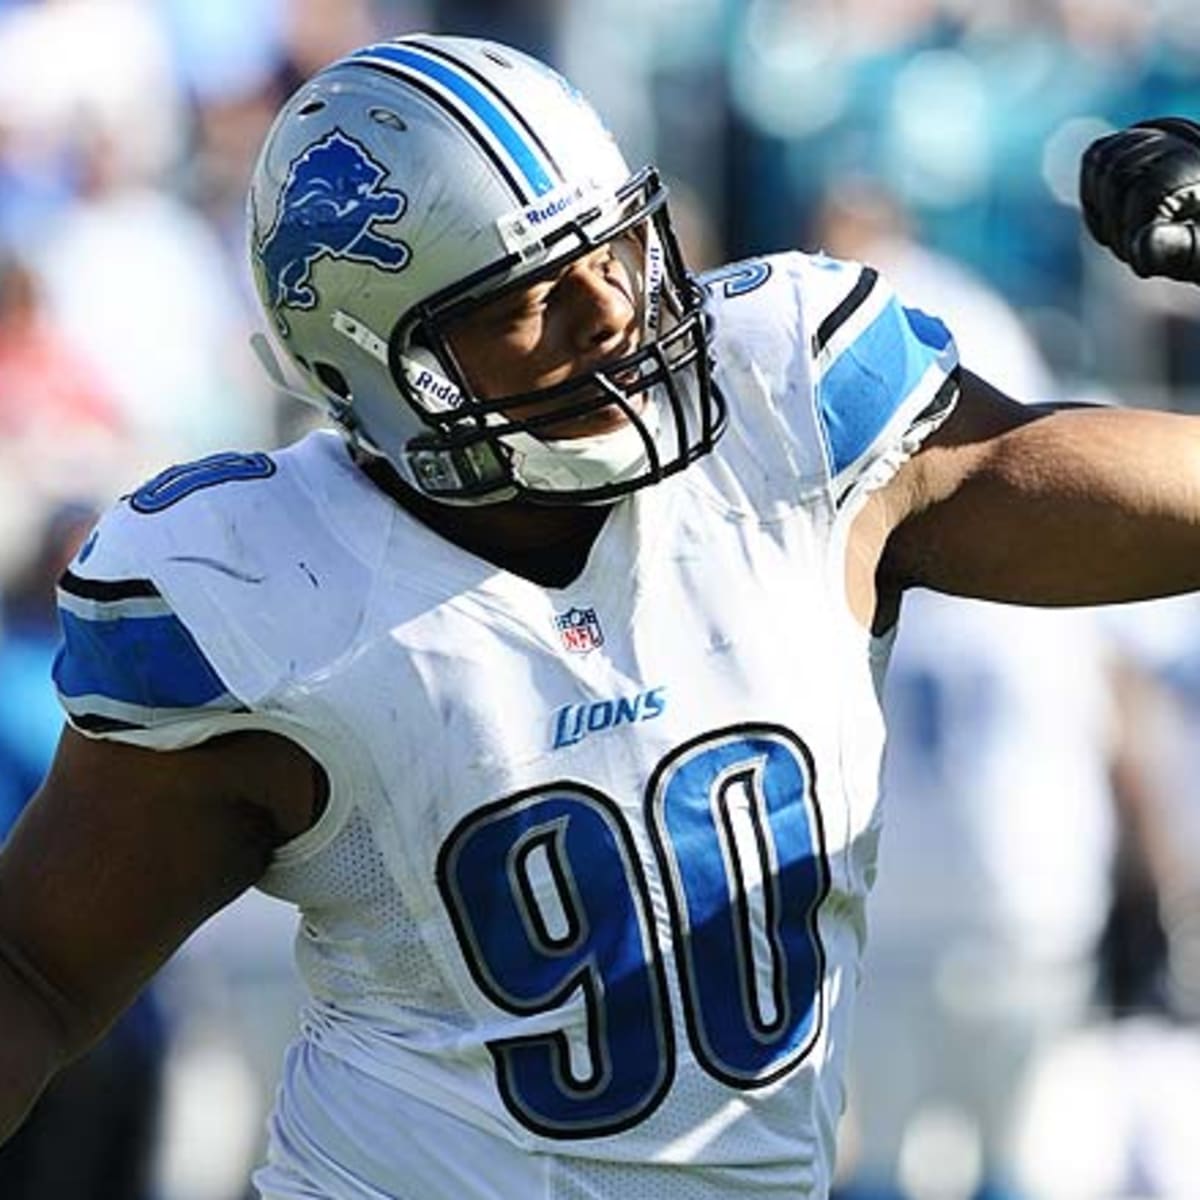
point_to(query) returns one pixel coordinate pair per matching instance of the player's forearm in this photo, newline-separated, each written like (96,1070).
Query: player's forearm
(1086,506)
(1125,519)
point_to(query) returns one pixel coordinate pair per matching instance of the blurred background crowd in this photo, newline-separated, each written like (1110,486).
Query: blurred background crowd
(1030,1026)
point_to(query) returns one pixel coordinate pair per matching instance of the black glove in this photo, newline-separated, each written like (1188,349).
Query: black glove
(1140,191)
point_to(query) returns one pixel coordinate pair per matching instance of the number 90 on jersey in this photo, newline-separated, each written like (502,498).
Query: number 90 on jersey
(551,906)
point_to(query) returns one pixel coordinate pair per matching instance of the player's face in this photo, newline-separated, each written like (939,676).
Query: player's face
(586,314)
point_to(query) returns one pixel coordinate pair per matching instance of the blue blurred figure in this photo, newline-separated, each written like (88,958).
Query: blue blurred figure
(92,1135)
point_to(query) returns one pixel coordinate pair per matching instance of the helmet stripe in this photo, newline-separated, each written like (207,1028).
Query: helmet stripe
(473,103)
(520,119)
(439,97)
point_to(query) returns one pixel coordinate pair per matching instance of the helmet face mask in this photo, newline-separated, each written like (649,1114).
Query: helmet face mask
(413,184)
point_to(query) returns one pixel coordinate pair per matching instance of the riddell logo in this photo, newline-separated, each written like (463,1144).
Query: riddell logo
(539,214)
(436,388)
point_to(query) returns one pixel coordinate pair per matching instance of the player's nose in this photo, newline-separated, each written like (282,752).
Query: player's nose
(602,306)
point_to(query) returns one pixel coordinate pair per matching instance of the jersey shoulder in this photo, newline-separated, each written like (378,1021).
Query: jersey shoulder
(192,598)
(822,352)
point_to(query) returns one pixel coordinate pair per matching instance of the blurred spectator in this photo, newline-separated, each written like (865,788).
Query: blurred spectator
(49,391)
(974,116)
(993,890)
(60,430)
(1129,1077)
(30,716)
(232,998)
(42,380)
(995,877)
(70,68)
(530,24)
(1163,641)
(139,280)
(318,31)
(92,1135)
(664,93)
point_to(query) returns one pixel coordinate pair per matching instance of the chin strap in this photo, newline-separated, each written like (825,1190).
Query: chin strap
(269,361)
(327,404)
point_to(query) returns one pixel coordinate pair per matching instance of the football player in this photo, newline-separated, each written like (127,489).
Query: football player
(545,686)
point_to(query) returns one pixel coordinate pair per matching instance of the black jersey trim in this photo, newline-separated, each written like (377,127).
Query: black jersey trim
(107,589)
(848,306)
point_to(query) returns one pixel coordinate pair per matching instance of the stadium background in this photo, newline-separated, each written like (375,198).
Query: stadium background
(940,136)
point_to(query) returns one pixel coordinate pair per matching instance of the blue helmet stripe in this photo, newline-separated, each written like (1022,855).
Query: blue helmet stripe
(505,132)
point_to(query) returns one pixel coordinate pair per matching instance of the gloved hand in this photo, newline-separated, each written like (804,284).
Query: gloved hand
(1140,192)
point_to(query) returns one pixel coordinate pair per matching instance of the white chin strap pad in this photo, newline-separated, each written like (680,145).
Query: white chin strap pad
(580,464)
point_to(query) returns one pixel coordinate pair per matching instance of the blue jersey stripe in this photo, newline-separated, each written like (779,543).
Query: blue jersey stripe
(929,330)
(872,378)
(498,125)
(150,661)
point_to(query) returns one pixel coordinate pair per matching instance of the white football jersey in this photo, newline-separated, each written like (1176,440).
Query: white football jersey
(586,904)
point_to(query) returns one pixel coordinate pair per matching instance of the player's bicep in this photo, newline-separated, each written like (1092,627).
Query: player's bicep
(122,853)
(938,506)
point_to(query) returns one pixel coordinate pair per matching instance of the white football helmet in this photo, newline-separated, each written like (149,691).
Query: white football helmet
(416,179)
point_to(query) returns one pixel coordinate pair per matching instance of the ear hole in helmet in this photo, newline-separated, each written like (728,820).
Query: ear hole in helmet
(385,116)
(498,58)
(313,106)
(332,378)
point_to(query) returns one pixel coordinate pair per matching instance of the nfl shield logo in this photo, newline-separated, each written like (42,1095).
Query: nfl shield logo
(579,629)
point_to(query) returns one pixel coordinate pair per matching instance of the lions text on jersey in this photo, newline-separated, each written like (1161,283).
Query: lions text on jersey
(591,878)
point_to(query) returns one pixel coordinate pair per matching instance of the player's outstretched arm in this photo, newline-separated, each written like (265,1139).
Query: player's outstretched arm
(1075,506)
(1048,507)
(118,858)
(1043,507)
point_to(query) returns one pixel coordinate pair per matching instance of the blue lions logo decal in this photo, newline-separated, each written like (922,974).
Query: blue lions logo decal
(330,200)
